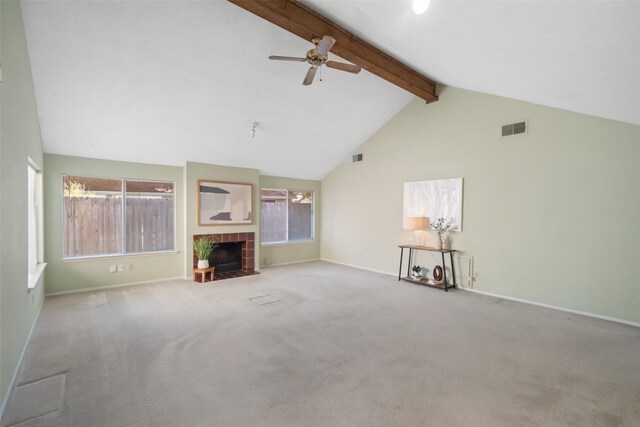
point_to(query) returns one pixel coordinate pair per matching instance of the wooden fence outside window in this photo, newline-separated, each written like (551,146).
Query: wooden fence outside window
(93,225)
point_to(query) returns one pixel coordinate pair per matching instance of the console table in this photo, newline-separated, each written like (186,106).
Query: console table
(427,282)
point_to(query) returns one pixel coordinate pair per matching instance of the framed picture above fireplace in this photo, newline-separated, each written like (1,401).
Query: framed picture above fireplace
(224,203)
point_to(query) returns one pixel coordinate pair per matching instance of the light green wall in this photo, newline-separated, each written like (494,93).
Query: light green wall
(195,171)
(549,217)
(75,275)
(293,252)
(19,138)
(88,273)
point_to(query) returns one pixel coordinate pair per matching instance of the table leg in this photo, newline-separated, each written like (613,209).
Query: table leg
(400,269)
(409,263)
(453,271)
(444,272)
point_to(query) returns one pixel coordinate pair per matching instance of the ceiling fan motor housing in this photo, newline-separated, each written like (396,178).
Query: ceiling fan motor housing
(314,59)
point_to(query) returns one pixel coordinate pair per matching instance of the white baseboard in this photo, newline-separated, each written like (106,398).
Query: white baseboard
(5,401)
(554,307)
(121,285)
(524,301)
(358,267)
(290,262)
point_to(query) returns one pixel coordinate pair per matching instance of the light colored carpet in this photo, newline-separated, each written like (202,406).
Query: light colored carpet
(342,347)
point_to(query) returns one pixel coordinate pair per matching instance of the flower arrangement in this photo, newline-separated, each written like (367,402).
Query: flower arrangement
(441,225)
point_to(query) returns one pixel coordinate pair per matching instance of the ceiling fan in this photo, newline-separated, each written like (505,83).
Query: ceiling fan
(317,57)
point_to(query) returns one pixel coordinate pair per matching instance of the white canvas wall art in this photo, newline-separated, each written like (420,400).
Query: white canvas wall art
(434,199)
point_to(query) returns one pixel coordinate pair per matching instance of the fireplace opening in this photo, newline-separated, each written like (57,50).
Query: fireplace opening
(226,257)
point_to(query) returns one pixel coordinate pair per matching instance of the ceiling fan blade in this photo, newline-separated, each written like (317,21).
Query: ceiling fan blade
(309,77)
(349,68)
(286,58)
(325,45)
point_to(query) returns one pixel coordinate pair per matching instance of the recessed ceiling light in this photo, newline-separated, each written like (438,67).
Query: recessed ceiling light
(420,6)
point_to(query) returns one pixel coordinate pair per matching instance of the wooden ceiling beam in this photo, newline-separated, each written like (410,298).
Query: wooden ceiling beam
(306,23)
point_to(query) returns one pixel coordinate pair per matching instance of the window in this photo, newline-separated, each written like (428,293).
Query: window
(286,216)
(33,207)
(35,262)
(32,219)
(107,216)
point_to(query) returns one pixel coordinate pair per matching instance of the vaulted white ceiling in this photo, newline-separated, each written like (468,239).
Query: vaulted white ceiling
(165,82)
(582,56)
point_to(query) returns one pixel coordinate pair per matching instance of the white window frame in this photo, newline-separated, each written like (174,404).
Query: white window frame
(35,237)
(313,218)
(123,237)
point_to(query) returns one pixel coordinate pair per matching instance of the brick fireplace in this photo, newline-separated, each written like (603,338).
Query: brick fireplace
(233,257)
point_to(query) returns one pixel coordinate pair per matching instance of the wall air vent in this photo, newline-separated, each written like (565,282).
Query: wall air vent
(356,158)
(514,128)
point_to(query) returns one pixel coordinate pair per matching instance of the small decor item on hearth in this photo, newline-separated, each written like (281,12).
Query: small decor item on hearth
(416,272)
(437,273)
(203,248)
(441,226)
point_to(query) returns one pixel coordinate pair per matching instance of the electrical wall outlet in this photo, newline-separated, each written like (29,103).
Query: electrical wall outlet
(120,267)
(113,268)
(476,274)
(130,266)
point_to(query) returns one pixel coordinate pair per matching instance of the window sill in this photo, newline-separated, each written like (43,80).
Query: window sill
(293,242)
(35,275)
(131,255)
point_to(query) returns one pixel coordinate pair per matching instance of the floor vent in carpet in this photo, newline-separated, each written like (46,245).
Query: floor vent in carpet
(35,399)
(264,299)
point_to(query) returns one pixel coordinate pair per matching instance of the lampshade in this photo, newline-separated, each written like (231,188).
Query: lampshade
(415,222)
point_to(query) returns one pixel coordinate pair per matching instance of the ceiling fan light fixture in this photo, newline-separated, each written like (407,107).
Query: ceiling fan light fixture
(420,6)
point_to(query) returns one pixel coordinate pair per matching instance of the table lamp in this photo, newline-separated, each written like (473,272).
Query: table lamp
(414,223)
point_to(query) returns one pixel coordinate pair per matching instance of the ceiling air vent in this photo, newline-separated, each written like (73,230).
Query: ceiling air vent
(357,158)
(514,129)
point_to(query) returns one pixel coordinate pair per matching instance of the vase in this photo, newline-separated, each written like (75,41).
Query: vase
(203,263)
(439,242)
(446,241)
